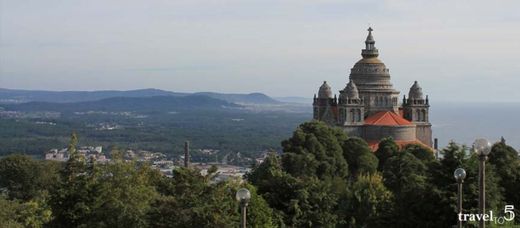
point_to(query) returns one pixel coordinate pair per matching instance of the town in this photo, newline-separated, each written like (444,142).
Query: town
(159,161)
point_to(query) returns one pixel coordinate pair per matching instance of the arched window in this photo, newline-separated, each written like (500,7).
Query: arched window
(358,115)
(418,115)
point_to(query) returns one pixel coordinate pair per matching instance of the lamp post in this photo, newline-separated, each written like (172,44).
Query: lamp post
(243,195)
(459,175)
(482,147)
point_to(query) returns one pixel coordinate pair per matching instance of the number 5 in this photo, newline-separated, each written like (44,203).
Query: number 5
(509,209)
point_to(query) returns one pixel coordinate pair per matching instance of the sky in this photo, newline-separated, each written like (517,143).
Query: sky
(457,50)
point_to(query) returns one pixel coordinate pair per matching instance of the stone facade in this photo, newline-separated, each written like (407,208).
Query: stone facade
(369,106)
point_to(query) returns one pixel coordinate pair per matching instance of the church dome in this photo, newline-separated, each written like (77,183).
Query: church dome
(325,91)
(415,91)
(370,73)
(350,91)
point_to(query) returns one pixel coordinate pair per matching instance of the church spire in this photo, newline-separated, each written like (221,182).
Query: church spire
(370,50)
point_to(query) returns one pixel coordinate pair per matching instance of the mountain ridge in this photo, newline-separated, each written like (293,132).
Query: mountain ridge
(24,96)
(118,104)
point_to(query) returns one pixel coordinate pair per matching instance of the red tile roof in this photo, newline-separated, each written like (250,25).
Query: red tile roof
(387,118)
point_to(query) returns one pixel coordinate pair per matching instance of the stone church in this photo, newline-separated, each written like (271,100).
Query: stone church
(369,107)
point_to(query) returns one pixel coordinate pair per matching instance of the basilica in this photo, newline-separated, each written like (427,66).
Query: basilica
(369,106)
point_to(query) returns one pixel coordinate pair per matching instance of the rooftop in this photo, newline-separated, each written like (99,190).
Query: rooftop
(387,118)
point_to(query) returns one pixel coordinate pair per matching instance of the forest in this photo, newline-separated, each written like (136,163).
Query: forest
(323,178)
(227,130)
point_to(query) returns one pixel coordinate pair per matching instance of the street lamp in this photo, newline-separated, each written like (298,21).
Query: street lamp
(459,175)
(243,195)
(482,147)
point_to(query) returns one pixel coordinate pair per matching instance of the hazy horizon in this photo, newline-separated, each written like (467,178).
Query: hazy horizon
(462,51)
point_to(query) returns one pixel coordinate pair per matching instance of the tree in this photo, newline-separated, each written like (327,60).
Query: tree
(386,149)
(122,194)
(300,202)
(360,158)
(8,213)
(421,152)
(315,150)
(115,194)
(70,200)
(507,163)
(193,200)
(25,178)
(441,199)
(15,213)
(405,176)
(370,202)
(259,213)
(190,201)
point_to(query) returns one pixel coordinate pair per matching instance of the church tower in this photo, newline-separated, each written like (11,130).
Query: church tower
(351,109)
(416,110)
(325,107)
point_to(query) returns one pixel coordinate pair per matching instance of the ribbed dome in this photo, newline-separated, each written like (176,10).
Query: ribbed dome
(415,91)
(325,91)
(370,73)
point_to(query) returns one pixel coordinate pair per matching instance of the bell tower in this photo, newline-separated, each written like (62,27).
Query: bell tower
(324,106)
(416,110)
(351,110)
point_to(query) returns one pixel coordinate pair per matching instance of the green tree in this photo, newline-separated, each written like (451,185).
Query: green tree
(494,195)
(25,178)
(359,156)
(421,152)
(404,175)
(441,200)
(189,200)
(370,202)
(386,149)
(507,163)
(192,200)
(300,202)
(116,194)
(122,194)
(8,213)
(70,200)
(33,213)
(315,150)
(259,214)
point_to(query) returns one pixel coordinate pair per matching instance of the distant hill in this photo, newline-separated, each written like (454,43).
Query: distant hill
(252,98)
(299,100)
(23,96)
(139,104)
(9,96)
